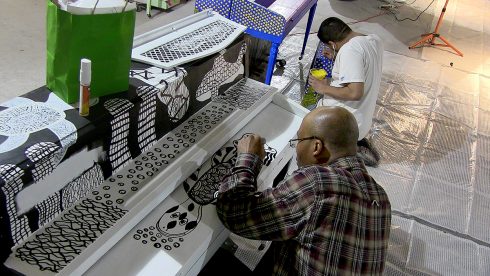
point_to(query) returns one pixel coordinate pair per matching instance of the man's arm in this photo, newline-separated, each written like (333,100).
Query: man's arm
(274,214)
(350,92)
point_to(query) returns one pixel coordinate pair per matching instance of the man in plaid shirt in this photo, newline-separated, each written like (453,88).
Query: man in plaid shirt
(331,217)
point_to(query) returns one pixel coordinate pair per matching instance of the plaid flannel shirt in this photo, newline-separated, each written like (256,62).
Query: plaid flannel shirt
(332,219)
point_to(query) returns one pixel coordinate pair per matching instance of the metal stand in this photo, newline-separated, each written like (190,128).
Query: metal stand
(428,39)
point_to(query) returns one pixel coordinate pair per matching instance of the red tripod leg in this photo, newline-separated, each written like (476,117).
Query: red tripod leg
(450,45)
(427,39)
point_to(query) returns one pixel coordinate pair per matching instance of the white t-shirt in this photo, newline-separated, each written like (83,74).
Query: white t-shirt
(359,60)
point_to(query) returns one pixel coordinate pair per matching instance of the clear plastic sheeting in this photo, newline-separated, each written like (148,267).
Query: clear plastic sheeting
(249,252)
(417,249)
(296,71)
(432,129)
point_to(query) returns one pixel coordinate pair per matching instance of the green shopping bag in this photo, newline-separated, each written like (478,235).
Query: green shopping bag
(105,39)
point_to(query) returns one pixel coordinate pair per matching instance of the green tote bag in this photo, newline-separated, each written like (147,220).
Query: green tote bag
(105,39)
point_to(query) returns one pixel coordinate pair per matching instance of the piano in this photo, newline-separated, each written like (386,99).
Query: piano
(132,192)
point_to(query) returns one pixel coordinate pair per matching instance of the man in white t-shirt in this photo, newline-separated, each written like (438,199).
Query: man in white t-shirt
(356,76)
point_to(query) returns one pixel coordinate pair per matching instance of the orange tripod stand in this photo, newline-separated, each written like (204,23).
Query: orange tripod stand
(431,37)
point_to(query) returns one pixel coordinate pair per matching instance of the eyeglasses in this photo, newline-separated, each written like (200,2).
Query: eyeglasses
(294,142)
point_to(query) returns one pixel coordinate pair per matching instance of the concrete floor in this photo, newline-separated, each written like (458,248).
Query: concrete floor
(466,25)
(23,34)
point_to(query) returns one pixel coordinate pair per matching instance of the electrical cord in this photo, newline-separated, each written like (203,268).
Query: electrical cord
(350,23)
(380,14)
(411,19)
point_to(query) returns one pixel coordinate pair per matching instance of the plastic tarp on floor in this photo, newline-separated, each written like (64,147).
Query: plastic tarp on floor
(432,129)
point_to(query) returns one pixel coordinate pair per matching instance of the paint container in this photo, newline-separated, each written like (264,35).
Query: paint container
(310,97)
(319,74)
(85,78)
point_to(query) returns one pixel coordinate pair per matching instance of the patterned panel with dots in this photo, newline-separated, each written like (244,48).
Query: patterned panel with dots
(220,6)
(257,17)
(321,62)
(118,188)
(105,206)
(152,235)
(191,44)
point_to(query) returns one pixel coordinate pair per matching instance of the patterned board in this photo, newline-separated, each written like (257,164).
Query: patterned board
(320,62)
(173,226)
(194,41)
(48,250)
(42,138)
(243,94)
(185,226)
(123,185)
(257,17)
(220,6)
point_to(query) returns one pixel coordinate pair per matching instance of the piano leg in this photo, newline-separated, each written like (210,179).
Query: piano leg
(272,62)
(308,27)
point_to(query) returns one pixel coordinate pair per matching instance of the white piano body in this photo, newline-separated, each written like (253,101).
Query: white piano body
(168,225)
(146,251)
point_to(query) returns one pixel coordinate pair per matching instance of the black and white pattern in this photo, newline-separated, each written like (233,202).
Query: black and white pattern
(72,192)
(64,239)
(202,188)
(119,154)
(152,235)
(25,116)
(146,116)
(125,183)
(19,225)
(81,186)
(169,87)
(243,94)
(194,43)
(205,183)
(196,37)
(48,208)
(46,156)
(176,97)
(222,72)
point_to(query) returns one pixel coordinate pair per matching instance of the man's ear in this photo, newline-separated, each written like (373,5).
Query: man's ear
(318,148)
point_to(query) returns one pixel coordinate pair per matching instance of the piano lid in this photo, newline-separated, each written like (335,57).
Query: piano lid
(185,40)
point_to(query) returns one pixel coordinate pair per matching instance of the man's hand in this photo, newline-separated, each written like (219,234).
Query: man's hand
(318,85)
(252,143)
(328,52)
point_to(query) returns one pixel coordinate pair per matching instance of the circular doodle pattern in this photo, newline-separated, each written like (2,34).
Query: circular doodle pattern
(18,120)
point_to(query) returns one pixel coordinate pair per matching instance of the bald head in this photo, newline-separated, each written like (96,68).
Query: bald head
(336,126)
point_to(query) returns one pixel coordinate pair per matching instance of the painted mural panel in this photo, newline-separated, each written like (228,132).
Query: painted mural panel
(43,139)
